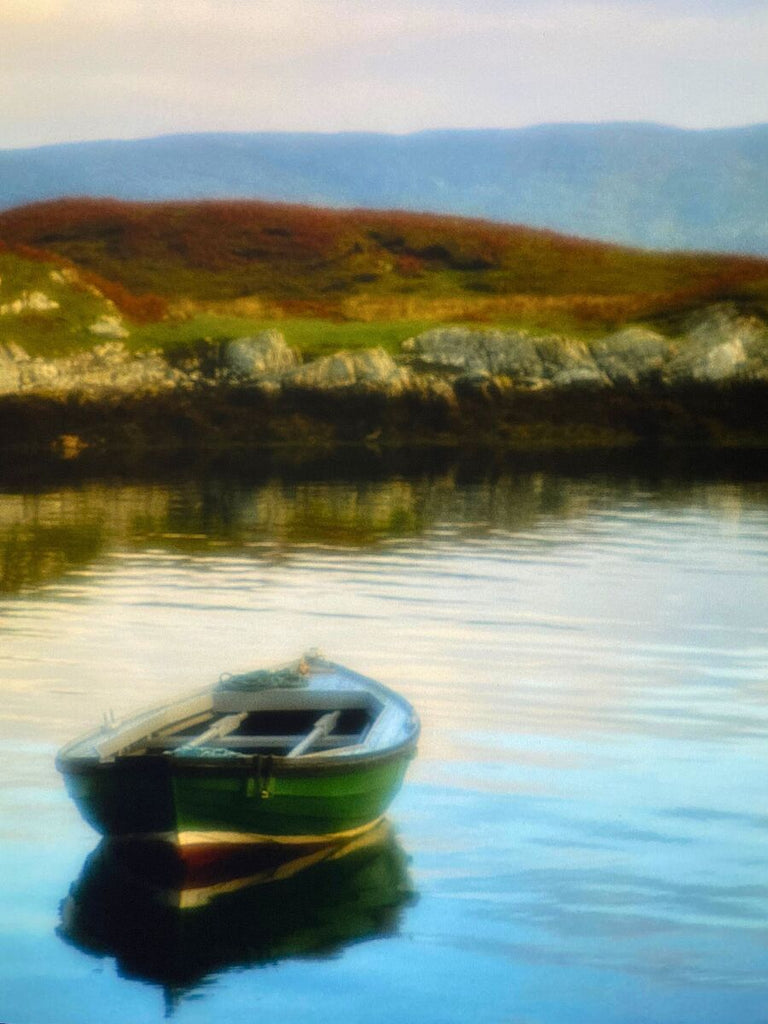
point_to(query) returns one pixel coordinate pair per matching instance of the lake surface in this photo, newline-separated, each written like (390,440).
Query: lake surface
(584,834)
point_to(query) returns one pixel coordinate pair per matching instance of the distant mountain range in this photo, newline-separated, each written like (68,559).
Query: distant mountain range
(639,184)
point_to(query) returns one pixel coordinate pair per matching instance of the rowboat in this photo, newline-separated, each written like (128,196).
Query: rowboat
(306,752)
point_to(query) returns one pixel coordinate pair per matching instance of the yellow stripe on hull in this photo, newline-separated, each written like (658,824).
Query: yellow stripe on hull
(215,838)
(200,895)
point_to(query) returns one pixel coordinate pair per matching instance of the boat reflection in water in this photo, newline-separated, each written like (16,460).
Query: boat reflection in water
(171,925)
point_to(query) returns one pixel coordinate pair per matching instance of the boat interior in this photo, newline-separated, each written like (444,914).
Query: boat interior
(283,723)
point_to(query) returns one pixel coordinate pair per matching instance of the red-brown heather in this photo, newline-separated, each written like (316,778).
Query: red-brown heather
(349,263)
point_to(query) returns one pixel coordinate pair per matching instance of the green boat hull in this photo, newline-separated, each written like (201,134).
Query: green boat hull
(262,799)
(308,752)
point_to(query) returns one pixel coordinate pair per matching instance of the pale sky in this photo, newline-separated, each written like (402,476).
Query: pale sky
(73,70)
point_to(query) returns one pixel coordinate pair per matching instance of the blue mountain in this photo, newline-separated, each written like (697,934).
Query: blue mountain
(641,184)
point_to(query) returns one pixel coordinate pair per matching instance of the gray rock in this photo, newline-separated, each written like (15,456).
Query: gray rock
(723,323)
(39,374)
(634,355)
(365,369)
(108,354)
(66,275)
(467,352)
(527,360)
(12,350)
(106,370)
(262,355)
(10,377)
(29,302)
(568,363)
(720,345)
(477,385)
(110,325)
(578,377)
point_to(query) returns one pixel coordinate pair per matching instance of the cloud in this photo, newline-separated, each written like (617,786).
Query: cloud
(72,69)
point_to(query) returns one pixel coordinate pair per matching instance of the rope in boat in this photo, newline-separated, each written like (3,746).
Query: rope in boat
(292,676)
(267,679)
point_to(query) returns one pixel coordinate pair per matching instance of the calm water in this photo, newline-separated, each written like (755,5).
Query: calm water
(584,835)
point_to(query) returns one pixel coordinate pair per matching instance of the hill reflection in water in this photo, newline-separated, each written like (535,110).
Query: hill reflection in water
(272,903)
(51,531)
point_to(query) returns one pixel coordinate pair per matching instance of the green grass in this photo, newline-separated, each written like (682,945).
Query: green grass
(53,332)
(312,337)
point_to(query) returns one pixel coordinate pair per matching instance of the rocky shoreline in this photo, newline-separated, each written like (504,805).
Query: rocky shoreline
(706,385)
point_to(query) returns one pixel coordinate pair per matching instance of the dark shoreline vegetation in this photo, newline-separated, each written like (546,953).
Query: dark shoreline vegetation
(116,321)
(246,420)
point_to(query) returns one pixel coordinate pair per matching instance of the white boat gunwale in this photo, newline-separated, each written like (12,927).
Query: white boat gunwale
(153,733)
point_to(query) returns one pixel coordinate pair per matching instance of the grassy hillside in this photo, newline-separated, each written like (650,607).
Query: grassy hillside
(216,268)
(46,304)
